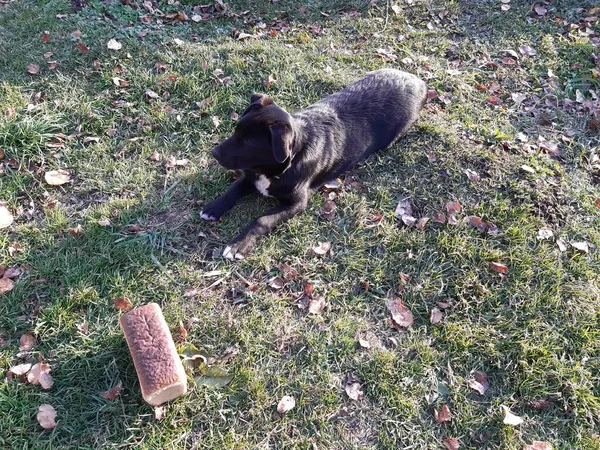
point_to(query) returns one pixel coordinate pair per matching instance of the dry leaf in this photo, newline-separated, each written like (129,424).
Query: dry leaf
(436,316)
(112,393)
(476,222)
(396,9)
(498,267)
(27,341)
(151,94)
(479,382)
(472,175)
(286,403)
(438,217)
(104,222)
(443,415)
(82,48)
(545,233)
(538,445)
(403,208)
(114,45)
(352,387)
(76,34)
(46,416)
(453,208)
(20,369)
(510,418)
(316,305)
(57,177)
(322,248)
(122,304)
(451,443)
(216,121)
(562,245)
(364,343)
(120,82)
(184,332)
(400,315)
(422,222)
(6,218)
(581,247)
(83,327)
(328,210)
(526,50)
(45,36)
(6,285)
(40,374)
(160,412)
(51,65)
(276,283)
(33,69)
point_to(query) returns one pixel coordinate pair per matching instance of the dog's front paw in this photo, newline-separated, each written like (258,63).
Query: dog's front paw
(212,212)
(239,249)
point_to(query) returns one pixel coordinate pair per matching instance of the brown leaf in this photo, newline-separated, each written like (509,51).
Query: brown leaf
(57,177)
(498,267)
(160,66)
(352,387)
(475,222)
(422,222)
(45,36)
(51,65)
(184,332)
(472,175)
(33,69)
(46,416)
(133,228)
(76,34)
(113,392)
(309,288)
(120,82)
(597,202)
(40,374)
(122,304)
(400,315)
(104,222)
(438,217)
(453,208)
(286,403)
(6,285)
(151,94)
(451,443)
(322,248)
(276,283)
(436,316)
(479,382)
(155,156)
(409,220)
(443,415)
(20,369)
(328,210)
(82,48)
(27,342)
(538,445)
(404,208)
(316,305)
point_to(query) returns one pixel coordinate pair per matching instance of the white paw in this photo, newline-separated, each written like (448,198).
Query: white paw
(207,217)
(228,254)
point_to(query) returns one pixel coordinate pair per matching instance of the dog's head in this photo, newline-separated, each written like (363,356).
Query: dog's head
(262,139)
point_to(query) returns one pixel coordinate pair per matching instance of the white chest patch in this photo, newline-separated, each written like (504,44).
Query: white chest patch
(262,185)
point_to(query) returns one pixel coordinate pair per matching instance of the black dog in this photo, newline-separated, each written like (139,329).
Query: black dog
(287,155)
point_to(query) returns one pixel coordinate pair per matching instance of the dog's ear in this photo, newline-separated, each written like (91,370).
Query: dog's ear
(258,101)
(281,139)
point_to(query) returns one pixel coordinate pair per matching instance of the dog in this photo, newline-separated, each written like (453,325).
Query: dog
(287,156)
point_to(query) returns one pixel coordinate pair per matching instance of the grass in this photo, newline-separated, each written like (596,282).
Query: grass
(534,331)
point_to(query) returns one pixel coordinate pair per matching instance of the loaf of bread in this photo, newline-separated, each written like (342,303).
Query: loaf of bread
(158,366)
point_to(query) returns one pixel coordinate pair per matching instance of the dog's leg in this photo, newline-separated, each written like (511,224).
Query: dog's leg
(245,242)
(215,209)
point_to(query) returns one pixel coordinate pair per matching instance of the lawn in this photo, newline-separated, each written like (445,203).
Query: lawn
(510,132)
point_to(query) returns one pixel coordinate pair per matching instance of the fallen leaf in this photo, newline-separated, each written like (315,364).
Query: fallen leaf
(178,42)
(545,233)
(82,48)
(436,316)
(276,283)
(123,304)
(453,208)
(397,10)
(133,228)
(403,208)
(76,231)
(472,175)
(400,315)
(244,36)
(120,82)
(421,223)
(526,50)
(451,443)
(215,377)
(40,374)
(174,162)
(316,305)
(76,34)
(540,10)
(581,247)
(151,94)
(353,387)
(113,44)
(160,412)
(20,369)
(475,222)
(6,218)
(479,382)
(510,418)
(216,121)
(160,66)
(538,445)
(104,222)
(364,343)
(46,416)
(597,202)
(27,342)
(322,248)
(409,220)
(328,210)
(45,36)
(438,217)
(286,404)
(443,415)
(33,69)
(182,329)
(83,327)
(562,245)
(57,177)
(155,156)
(113,392)
(518,98)
(498,267)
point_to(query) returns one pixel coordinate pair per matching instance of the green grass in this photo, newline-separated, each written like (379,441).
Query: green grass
(534,332)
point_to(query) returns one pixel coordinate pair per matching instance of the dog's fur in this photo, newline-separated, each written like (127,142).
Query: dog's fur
(286,156)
